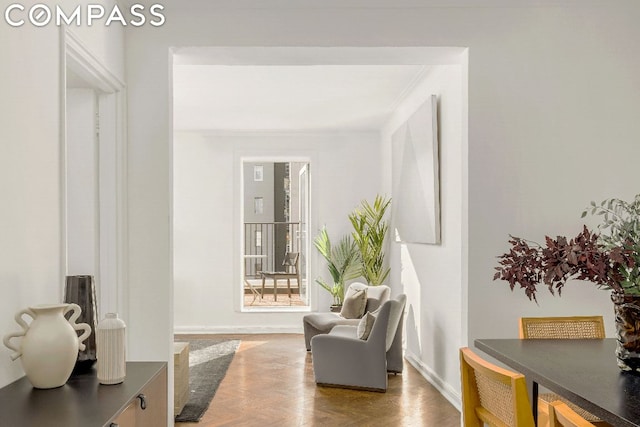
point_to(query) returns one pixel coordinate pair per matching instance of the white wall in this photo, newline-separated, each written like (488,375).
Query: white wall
(207,219)
(31,269)
(431,275)
(553,102)
(551,127)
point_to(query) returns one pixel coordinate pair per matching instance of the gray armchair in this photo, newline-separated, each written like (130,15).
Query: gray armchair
(341,359)
(322,323)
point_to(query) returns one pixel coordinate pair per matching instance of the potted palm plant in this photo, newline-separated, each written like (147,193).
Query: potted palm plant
(369,232)
(610,260)
(343,263)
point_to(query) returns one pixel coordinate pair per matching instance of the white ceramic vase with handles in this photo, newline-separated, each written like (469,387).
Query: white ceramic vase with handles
(50,344)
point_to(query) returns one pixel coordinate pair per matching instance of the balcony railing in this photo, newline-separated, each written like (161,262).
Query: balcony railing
(266,243)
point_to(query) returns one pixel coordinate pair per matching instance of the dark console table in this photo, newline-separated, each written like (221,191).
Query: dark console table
(83,402)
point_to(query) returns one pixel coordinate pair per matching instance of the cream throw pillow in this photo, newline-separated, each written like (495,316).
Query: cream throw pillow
(354,304)
(365,325)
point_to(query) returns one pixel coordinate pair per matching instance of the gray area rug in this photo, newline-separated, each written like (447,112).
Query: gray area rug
(208,364)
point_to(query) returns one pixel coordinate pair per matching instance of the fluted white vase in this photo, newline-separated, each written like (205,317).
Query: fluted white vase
(50,344)
(110,343)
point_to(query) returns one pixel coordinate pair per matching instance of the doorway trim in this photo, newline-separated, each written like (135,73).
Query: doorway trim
(182,54)
(111,93)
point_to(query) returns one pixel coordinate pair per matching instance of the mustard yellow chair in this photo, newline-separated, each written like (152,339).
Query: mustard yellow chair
(572,327)
(492,395)
(561,415)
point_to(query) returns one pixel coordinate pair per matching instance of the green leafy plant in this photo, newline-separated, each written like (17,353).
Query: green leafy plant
(343,262)
(369,232)
(620,228)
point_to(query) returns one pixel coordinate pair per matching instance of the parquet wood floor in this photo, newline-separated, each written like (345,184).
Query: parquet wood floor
(270,383)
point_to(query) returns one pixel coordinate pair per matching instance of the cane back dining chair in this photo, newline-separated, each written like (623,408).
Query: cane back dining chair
(573,327)
(570,327)
(561,415)
(492,395)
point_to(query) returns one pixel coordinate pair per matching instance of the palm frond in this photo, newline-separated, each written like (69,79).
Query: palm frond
(369,233)
(343,262)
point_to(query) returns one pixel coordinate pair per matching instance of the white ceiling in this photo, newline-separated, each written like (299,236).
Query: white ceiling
(289,97)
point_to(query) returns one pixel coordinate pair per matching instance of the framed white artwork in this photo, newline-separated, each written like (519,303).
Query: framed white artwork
(415,176)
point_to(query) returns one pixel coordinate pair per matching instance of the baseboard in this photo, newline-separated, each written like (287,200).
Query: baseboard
(261,329)
(434,379)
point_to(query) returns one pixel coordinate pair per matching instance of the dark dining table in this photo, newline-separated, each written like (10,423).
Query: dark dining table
(582,371)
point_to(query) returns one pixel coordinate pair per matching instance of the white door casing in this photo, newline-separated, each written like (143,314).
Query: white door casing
(108,173)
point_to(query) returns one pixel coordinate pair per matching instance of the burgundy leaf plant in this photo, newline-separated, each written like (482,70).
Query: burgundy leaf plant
(529,264)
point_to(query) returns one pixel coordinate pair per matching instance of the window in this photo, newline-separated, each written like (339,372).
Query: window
(258,172)
(275,197)
(258,205)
